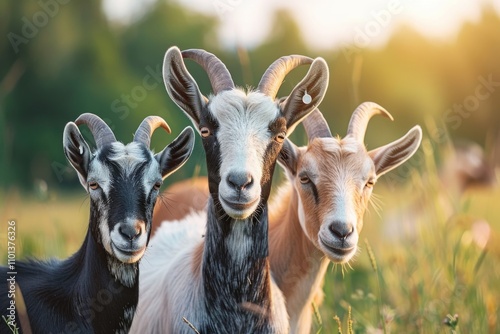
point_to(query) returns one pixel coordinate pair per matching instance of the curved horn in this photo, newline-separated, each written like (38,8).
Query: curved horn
(275,74)
(316,126)
(147,127)
(361,116)
(100,130)
(217,72)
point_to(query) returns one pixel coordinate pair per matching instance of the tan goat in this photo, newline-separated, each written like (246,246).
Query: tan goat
(320,210)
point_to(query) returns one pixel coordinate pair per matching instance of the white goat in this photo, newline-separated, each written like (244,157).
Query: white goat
(319,211)
(222,283)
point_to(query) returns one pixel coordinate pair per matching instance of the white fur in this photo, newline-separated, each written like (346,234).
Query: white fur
(243,136)
(164,269)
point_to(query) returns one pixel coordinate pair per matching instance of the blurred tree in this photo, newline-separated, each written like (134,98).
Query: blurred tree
(61,58)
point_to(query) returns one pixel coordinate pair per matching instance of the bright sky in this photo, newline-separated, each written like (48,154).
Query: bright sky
(324,23)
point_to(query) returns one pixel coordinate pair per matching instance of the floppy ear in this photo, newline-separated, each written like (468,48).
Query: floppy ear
(307,95)
(181,86)
(287,157)
(77,151)
(172,157)
(394,154)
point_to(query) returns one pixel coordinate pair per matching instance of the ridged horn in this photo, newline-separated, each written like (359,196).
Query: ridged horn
(316,126)
(147,127)
(217,72)
(100,130)
(273,77)
(361,116)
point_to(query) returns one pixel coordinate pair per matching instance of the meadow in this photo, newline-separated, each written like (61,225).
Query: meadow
(429,259)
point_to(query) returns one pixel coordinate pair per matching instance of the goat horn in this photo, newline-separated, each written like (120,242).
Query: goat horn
(147,127)
(217,72)
(316,126)
(100,130)
(275,74)
(361,116)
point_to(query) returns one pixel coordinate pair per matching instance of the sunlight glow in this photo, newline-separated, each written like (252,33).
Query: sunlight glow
(324,23)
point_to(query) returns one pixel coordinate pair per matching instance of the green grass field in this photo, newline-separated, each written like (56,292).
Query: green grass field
(429,261)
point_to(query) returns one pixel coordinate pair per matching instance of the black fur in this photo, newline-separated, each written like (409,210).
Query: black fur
(237,294)
(77,295)
(80,294)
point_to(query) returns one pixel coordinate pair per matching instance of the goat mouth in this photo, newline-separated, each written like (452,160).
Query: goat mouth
(340,254)
(237,206)
(128,253)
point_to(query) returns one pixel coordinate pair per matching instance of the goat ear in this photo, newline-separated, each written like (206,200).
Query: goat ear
(394,154)
(307,95)
(288,157)
(181,86)
(172,157)
(77,151)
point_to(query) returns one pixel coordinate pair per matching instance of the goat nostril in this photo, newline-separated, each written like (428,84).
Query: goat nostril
(341,231)
(240,181)
(130,232)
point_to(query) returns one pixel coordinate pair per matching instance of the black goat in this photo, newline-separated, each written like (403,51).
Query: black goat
(96,289)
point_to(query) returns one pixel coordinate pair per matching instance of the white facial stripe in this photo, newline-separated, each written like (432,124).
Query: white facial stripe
(302,216)
(100,173)
(243,133)
(151,175)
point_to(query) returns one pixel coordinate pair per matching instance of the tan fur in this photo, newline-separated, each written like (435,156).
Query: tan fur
(179,200)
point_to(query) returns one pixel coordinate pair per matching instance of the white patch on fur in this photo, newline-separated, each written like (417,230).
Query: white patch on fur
(239,242)
(100,173)
(129,156)
(104,228)
(124,273)
(152,174)
(166,282)
(128,313)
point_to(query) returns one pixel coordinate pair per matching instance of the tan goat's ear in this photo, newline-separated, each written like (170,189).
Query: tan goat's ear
(394,154)
(288,157)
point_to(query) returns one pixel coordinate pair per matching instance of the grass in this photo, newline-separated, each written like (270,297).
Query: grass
(424,267)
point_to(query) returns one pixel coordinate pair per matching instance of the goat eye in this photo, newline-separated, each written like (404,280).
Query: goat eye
(157,185)
(304,179)
(280,138)
(205,132)
(370,183)
(93,185)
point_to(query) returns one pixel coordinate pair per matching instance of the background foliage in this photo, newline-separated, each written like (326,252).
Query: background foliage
(425,241)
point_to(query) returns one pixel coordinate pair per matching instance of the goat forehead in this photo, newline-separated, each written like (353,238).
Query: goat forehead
(129,165)
(337,160)
(129,156)
(236,111)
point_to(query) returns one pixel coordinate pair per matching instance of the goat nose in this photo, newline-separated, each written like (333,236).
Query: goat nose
(240,181)
(130,231)
(341,230)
